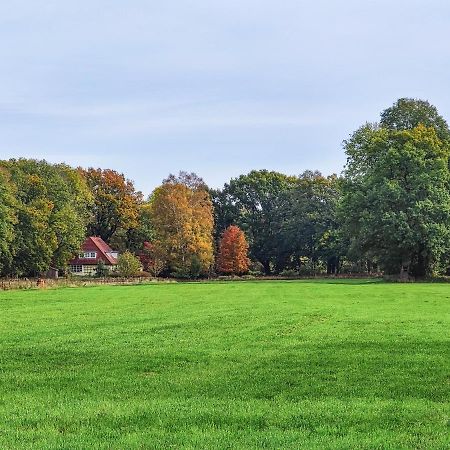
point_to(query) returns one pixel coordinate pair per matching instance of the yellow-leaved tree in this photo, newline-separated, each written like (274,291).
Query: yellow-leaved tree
(182,220)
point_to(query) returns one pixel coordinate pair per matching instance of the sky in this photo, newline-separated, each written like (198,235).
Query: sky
(220,88)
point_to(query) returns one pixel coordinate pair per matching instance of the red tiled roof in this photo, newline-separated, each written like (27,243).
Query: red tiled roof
(102,249)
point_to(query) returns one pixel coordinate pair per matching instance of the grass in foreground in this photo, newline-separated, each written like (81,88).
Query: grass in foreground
(233,365)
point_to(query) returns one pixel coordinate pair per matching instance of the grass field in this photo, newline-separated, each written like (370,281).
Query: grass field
(279,365)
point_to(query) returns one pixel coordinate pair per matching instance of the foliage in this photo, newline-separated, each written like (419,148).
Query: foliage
(116,202)
(8,220)
(151,260)
(396,202)
(190,180)
(289,273)
(101,270)
(408,113)
(133,238)
(51,204)
(308,224)
(232,258)
(128,265)
(251,202)
(195,269)
(183,223)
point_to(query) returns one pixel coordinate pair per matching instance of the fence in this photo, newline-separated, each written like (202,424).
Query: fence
(40,283)
(36,283)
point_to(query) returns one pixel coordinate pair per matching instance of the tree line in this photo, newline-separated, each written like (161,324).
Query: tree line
(389,211)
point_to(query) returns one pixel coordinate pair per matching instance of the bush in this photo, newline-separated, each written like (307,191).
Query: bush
(181,272)
(128,265)
(101,270)
(256,268)
(144,274)
(248,277)
(289,273)
(255,273)
(306,270)
(191,271)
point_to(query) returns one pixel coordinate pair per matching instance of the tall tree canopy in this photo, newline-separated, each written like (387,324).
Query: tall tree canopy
(308,227)
(408,113)
(116,202)
(51,203)
(183,223)
(396,202)
(133,239)
(8,219)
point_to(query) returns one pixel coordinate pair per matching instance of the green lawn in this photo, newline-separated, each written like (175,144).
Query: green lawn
(277,365)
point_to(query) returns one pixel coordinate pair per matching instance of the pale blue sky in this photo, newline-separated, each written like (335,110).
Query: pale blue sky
(215,87)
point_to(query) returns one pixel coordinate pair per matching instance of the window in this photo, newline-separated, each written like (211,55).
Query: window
(88,255)
(76,268)
(89,270)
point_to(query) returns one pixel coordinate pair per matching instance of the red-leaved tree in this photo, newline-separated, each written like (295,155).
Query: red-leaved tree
(232,258)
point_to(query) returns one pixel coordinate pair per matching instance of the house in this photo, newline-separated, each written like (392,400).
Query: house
(93,250)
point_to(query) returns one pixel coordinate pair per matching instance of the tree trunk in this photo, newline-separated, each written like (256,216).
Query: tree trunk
(421,269)
(404,273)
(332,265)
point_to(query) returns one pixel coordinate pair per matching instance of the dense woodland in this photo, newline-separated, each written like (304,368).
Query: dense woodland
(389,211)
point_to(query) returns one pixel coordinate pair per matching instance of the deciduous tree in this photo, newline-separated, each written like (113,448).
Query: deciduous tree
(408,113)
(116,202)
(232,258)
(152,261)
(8,220)
(128,265)
(133,239)
(396,203)
(182,219)
(308,224)
(51,203)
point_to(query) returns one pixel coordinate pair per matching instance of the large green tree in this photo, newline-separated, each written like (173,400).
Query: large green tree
(51,204)
(408,113)
(308,226)
(8,219)
(396,202)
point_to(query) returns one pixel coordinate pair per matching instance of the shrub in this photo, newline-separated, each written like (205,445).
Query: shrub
(101,270)
(128,265)
(289,273)
(256,268)
(193,270)
(256,273)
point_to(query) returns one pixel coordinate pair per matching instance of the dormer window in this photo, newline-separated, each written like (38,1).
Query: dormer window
(88,255)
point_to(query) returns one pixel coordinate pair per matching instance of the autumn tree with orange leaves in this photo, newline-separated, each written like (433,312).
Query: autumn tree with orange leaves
(232,258)
(183,223)
(116,202)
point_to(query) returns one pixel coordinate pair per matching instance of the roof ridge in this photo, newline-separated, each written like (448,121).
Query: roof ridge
(103,248)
